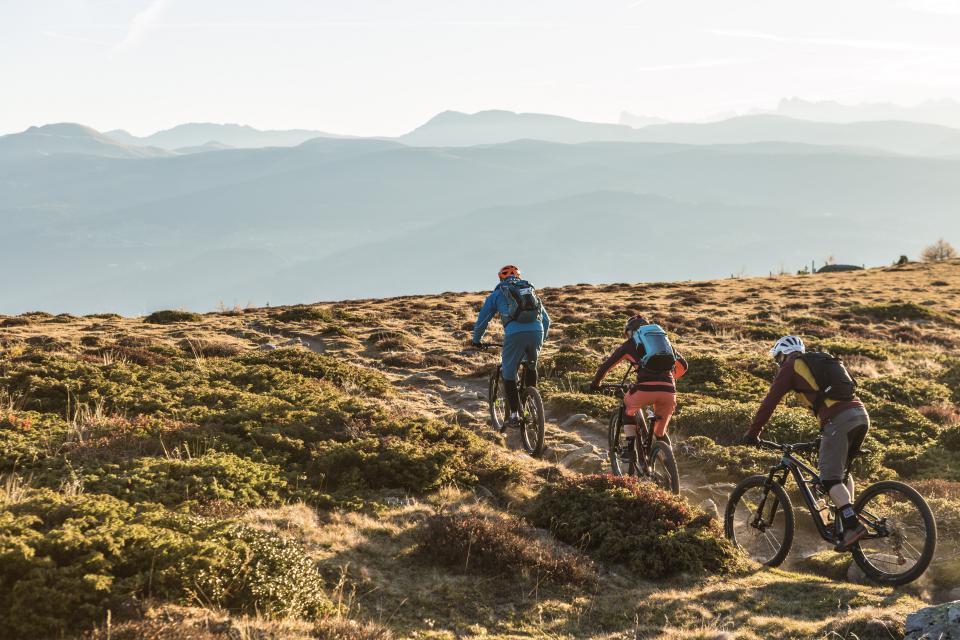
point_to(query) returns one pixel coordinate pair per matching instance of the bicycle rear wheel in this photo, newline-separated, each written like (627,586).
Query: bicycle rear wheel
(902,533)
(759,520)
(496,402)
(663,467)
(532,422)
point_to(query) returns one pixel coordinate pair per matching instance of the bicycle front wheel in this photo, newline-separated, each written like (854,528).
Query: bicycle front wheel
(663,467)
(759,520)
(622,461)
(496,402)
(532,423)
(902,534)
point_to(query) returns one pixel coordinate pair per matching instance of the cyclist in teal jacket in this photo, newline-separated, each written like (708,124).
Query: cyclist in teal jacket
(521,340)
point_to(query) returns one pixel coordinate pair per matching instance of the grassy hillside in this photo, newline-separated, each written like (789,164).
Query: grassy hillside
(326,471)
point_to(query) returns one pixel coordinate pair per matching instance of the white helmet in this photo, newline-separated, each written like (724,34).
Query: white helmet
(788,344)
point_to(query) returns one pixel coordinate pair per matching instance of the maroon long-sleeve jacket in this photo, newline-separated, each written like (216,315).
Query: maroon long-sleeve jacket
(795,375)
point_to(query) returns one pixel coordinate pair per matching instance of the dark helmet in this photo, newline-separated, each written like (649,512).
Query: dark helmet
(634,323)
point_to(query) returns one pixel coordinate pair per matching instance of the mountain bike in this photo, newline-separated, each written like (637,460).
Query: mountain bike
(901,532)
(531,407)
(649,457)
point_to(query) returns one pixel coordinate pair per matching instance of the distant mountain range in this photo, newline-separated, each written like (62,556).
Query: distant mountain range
(451,129)
(94,224)
(70,138)
(201,134)
(944,112)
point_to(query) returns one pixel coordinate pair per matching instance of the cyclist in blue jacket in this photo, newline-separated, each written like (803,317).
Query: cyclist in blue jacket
(525,327)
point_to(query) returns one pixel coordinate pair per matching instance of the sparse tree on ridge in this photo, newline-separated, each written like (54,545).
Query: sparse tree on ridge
(939,251)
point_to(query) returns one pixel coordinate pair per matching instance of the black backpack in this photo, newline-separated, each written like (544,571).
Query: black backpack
(832,378)
(522,301)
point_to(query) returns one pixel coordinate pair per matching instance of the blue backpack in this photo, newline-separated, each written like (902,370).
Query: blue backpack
(658,353)
(522,302)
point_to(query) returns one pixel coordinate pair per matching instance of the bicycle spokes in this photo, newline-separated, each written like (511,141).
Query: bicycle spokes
(897,532)
(759,525)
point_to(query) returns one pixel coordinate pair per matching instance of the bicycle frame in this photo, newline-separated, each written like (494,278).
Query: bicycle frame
(791,465)
(644,429)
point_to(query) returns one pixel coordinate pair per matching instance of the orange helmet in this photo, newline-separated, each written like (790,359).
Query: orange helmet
(509,271)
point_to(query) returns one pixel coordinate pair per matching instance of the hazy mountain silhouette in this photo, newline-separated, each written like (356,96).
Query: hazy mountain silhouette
(944,112)
(453,128)
(636,121)
(203,148)
(197,134)
(277,224)
(456,129)
(69,138)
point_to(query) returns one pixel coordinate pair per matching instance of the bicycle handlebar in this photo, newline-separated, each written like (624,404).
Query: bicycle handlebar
(798,447)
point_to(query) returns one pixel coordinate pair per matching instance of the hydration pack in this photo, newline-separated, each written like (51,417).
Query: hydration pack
(658,355)
(833,380)
(522,301)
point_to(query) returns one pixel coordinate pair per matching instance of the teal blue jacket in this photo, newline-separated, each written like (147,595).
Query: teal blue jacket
(496,303)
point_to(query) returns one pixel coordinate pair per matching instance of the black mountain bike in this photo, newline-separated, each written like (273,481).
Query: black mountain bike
(649,457)
(901,538)
(531,408)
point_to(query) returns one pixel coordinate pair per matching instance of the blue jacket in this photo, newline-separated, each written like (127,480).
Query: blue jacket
(497,303)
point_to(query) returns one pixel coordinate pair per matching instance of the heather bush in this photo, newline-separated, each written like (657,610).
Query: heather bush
(500,546)
(908,390)
(66,560)
(592,404)
(901,311)
(305,314)
(171,316)
(723,378)
(634,524)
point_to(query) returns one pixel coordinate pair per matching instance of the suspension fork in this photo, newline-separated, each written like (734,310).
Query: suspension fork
(771,479)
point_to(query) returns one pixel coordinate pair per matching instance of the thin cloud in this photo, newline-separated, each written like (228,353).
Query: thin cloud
(940,7)
(696,64)
(873,45)
(141,24)
(56,35)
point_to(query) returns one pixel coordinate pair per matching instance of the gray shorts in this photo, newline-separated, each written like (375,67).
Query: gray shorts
(842,437)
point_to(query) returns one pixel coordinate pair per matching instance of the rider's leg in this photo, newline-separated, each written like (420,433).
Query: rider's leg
(518,347)
(513,396)
(664,405)
(634,403)
(834,454)
(510,358)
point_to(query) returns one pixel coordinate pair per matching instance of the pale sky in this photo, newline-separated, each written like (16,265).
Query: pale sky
(383,67)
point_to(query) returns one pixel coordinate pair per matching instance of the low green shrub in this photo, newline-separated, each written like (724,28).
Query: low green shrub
(599,328)
(206,478)
(851,347)
(892,423)
(949,439)
(901,311)
(911,391)
(731,378)
(592,404)
(633,524)
(500,546)
(305,314)
(66,560)
(171,316)
(322,367)
(725,422)
(950,376)
(567,362)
